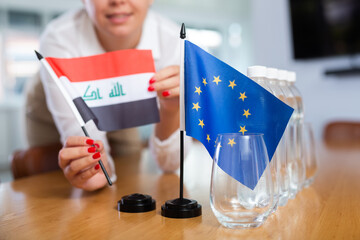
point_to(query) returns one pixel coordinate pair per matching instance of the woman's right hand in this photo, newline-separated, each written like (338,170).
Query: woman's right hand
(79,161)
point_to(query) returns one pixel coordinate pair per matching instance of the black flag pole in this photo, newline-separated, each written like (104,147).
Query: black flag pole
(181,207)
(182,119)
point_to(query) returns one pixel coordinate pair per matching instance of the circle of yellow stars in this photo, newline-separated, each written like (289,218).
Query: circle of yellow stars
(196,106)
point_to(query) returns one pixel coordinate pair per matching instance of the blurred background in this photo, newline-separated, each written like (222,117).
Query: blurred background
(318,39)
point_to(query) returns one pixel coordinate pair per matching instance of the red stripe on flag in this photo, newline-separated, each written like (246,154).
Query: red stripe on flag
(102,66)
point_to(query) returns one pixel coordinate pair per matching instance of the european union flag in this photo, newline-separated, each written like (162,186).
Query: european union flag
(219,99)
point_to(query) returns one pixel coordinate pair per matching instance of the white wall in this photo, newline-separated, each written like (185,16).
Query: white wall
(218,15)
(325,98)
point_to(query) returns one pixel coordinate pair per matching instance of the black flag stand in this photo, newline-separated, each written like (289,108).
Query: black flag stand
(181,207)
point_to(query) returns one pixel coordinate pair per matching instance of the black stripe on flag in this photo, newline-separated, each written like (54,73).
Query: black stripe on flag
(84,110)
(120,116)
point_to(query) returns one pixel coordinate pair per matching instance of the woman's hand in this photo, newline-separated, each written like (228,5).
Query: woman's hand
(166,83)
(79,161)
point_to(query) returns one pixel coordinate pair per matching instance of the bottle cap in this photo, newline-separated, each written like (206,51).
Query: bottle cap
(291,76)
(136,203)
(271,73)
(256,71)
(282,75)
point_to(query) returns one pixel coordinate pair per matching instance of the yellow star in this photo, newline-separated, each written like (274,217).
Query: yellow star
(242,96)
(231,142)
(201,123)
(204,81)
(246,113)
(217,80)
(243,130)
(196,106)
(232,84)
(198,90)
(208,137)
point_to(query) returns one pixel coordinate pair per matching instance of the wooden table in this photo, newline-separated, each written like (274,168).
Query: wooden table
(47,207)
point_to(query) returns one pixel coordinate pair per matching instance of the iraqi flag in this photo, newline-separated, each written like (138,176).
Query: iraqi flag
(110,88)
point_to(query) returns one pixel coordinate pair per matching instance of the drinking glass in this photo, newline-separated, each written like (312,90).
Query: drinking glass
(241,191)
(309,155)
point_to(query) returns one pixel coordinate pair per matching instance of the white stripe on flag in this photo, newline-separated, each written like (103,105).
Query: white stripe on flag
(111,90)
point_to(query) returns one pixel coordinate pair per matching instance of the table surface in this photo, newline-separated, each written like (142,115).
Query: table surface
(47,207)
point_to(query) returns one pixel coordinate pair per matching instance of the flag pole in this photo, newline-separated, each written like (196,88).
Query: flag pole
(71,105)
(181,207)
(182,109)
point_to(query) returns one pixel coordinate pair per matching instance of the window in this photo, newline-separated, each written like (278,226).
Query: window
(209,40)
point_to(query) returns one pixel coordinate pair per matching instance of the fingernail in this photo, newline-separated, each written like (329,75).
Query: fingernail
(165,93)
(151,88)
(97,167)
(152,80)
(90,141)
(97,145)
(91,149)
(96,155)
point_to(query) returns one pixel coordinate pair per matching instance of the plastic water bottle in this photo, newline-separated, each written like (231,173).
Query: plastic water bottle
(258,74)
(284,177)
(291,79)
(295,163)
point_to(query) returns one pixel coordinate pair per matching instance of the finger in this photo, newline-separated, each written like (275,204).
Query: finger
(172,93)
(167,84)
(68,154)
(99,145)
(79,165)
(167,72)
(73,141)
(80,178)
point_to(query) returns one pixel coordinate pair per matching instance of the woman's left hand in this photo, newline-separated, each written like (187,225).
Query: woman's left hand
(166,83)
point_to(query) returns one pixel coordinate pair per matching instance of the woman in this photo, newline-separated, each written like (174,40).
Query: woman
(103,26)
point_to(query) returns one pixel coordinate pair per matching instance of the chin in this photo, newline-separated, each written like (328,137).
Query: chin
(120,32)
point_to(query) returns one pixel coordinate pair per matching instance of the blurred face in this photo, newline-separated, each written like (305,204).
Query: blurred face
(117,18)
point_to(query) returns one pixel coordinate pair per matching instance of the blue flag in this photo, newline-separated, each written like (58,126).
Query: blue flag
(219,99)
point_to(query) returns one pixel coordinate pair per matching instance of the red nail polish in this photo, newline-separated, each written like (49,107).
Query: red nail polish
(152,80)
(97,167)
(97,145)
(96,155)
(165,93)
(151,88)
(91,149)
(90,141)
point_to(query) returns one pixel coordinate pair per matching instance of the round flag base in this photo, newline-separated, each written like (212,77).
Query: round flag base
(136,203)
(181,208)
